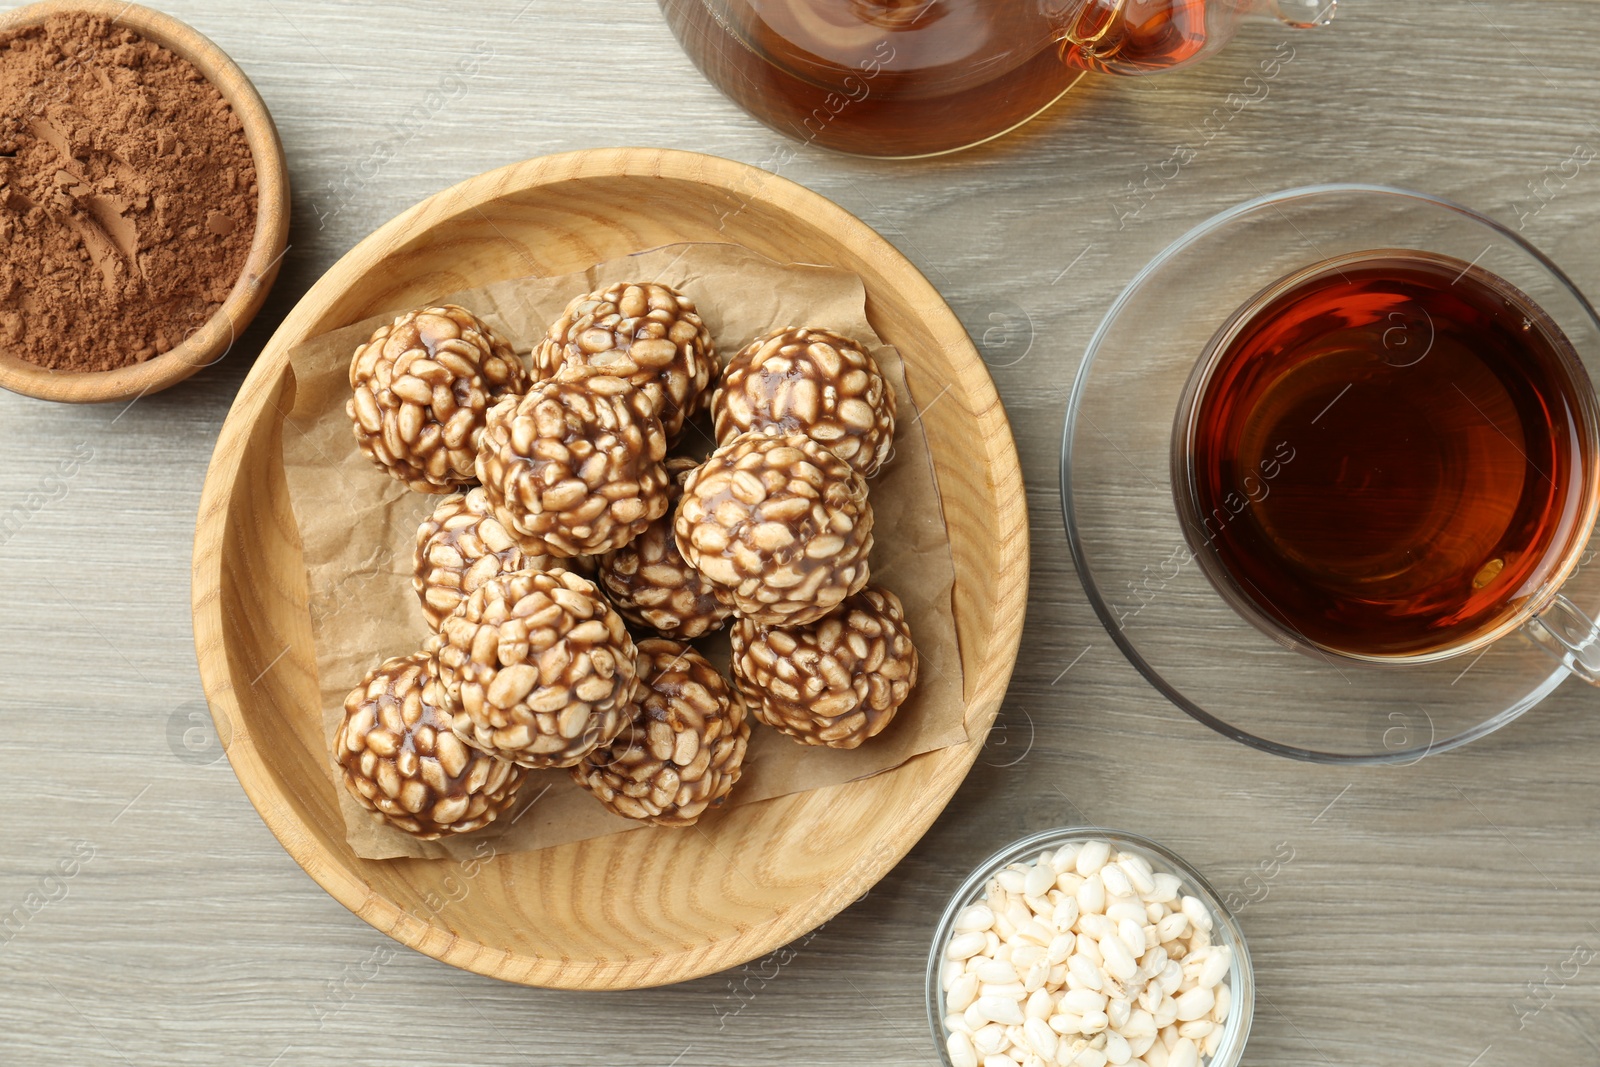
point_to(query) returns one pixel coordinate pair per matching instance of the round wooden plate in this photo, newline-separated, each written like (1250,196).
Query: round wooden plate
(630,910)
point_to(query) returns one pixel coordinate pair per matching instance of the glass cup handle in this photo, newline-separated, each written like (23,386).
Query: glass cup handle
(1570,636)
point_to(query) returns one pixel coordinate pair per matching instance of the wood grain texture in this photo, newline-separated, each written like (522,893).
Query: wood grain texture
(211,342)
(630,910)
(1420,902)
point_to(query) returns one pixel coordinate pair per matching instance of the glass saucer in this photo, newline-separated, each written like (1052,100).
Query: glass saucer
(1122,524)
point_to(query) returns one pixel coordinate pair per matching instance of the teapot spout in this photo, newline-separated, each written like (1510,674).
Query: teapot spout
(1304,14)
(1137,37)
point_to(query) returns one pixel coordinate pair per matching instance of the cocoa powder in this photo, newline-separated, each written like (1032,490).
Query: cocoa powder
(127,196)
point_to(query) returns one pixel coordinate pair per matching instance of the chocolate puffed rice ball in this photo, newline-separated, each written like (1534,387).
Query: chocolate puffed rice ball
(684,750)
(644,332)
(461,546)
(780,524)
(402,762)
(539,669)
(811,381)
(573,466)
(835,682)
(651,584)
(421,386)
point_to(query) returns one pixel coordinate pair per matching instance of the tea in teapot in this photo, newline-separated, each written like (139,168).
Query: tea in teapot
(920,77)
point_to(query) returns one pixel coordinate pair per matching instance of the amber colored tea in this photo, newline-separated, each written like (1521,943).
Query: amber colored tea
(1388,455)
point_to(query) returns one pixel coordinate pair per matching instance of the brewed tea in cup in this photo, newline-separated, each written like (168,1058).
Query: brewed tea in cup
(1389,456)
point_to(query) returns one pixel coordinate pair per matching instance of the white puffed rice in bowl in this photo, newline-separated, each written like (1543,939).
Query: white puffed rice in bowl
(1086,947)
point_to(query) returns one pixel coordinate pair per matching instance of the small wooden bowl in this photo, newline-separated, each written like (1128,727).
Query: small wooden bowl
(635,909)
(213,340)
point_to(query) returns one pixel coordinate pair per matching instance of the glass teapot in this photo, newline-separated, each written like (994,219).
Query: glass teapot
(901,78)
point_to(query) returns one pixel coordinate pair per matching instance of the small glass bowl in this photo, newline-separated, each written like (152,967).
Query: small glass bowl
(1226,930)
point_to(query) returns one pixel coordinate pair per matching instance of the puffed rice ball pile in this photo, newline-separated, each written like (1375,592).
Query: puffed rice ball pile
(564,468)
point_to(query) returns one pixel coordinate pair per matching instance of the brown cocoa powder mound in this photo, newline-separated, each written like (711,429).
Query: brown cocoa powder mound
(127,196)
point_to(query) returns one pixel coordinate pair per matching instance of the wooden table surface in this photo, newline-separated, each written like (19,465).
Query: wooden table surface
(1439,915)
